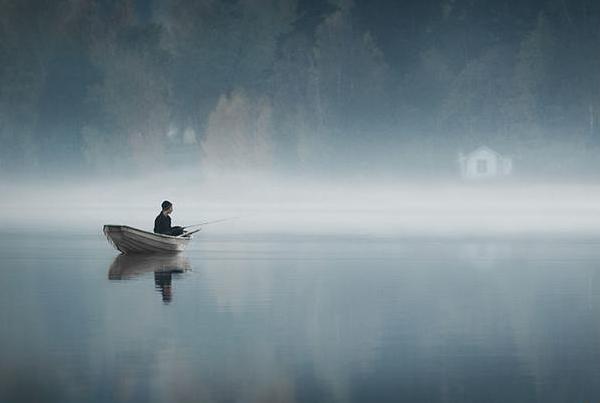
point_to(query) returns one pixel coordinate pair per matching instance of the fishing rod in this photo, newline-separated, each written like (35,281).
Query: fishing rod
(211,222)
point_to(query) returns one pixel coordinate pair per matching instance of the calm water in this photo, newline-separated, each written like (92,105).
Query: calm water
(288,319)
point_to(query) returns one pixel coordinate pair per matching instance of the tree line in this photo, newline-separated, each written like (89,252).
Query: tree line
(113,85)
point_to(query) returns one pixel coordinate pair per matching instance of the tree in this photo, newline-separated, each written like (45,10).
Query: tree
(24,32)
(534,83)
(131,100)
(474,109)
(219,46)
(238,134)
(349,76)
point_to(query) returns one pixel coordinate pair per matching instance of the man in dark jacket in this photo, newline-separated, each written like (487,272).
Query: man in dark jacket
(162,223)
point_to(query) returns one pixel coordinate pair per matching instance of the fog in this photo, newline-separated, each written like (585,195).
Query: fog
(268,205)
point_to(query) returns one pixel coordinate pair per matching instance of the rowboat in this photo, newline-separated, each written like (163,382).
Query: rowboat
(133,240)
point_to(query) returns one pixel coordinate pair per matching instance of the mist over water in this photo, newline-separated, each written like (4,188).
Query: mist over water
(270,204)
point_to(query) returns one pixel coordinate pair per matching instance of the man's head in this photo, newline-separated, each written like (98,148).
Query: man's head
(167,207)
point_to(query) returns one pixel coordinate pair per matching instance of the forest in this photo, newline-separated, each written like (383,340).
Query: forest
(341,86)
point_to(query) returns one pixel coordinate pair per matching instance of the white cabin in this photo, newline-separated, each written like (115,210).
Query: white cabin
(484,163)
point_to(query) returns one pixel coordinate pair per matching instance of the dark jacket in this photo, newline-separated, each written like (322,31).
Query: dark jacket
(162,225)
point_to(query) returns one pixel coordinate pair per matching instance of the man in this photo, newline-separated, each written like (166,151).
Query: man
(162,282)
(162,223)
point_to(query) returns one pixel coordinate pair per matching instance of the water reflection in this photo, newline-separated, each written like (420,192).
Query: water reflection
(126,267)
(264,321)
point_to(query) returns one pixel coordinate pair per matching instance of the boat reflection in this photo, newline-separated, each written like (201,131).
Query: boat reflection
(126,267)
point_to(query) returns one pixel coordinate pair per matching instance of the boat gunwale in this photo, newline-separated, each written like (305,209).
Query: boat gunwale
(153,234)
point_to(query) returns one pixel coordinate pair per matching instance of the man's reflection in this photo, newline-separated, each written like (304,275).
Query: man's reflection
(126,267)
(162,283)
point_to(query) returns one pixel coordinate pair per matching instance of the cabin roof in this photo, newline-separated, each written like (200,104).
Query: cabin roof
(483,149)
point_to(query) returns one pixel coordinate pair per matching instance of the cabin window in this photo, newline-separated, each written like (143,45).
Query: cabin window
(482,166)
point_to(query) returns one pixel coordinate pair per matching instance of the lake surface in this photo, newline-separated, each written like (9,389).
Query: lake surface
(300,319)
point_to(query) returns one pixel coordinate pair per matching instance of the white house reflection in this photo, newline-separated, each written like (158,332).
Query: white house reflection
(126,267)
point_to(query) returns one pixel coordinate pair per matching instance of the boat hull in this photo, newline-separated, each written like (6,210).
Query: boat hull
(131,240)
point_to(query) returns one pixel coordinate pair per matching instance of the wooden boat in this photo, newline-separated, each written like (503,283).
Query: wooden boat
(133,240)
